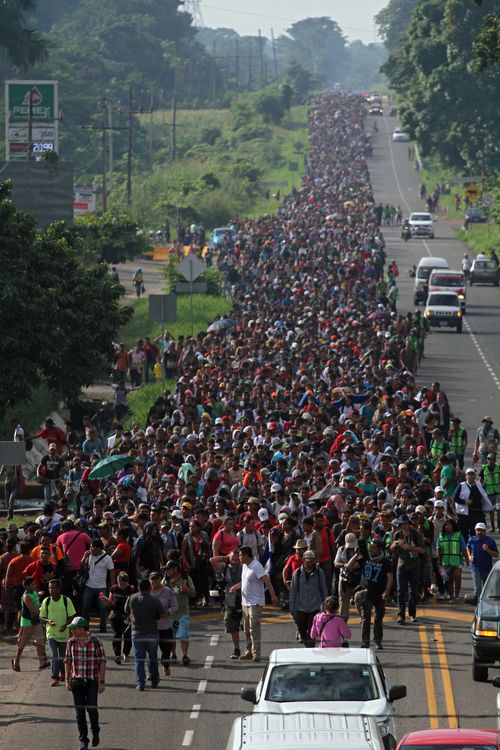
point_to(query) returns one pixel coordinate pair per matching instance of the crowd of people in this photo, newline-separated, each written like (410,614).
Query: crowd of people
(296,456)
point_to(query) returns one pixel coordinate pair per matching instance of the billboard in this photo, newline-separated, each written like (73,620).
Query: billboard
(84,199)
(31,119)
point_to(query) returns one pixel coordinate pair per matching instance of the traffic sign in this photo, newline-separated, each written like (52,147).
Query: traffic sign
(488,200)
(191,267)
(472,191)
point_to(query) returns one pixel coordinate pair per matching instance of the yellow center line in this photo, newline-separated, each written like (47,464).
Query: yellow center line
(429,681)
(445,673)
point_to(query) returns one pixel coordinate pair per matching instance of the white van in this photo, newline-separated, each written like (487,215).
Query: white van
(424,269)
(303,731)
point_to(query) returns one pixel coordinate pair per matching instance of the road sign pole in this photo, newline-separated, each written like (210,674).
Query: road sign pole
(191,294)
(162,349)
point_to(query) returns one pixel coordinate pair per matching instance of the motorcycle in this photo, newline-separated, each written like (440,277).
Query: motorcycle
(405,232)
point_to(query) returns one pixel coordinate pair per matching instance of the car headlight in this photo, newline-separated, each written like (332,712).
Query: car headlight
(487,628)
(461,296)
(459,314)
(427,313)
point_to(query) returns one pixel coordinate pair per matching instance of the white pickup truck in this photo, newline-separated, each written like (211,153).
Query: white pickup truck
(443,310)
(421,224)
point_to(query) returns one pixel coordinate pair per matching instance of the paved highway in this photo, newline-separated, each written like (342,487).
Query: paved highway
(196,705)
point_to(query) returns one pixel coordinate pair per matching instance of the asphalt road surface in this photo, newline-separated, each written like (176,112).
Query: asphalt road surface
(196,705)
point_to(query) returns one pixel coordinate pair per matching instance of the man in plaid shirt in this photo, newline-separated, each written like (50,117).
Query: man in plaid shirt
(85,677)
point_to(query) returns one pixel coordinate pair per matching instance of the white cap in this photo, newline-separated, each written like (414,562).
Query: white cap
(275,487)
(350,541)
(438,504)
(438,489)
(480,526)
(263,514)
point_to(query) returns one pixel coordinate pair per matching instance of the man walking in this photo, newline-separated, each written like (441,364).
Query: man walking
(481,551)
(97,562)
(471,502)
(57,612)
(85,663)
(254,581)
(377,573)
(145,610)
(490,479)
(407,547)
(307,593)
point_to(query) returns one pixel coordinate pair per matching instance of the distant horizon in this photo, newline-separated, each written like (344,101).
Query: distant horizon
(356,20)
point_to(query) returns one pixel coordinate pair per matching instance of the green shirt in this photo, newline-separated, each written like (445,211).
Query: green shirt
(56,611)
(448,472)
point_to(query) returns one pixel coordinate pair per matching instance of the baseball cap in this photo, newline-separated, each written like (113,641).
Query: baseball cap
(12,527)
(54,446)
(491,455)
(439,504)
(420,509)
(404,519)
(309,555)
(480,526)
(275,487)
(351,541)
(78,622)
(177,514)
(263,514)
(438,489)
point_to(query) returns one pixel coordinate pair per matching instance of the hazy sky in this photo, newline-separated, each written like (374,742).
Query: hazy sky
(355,17)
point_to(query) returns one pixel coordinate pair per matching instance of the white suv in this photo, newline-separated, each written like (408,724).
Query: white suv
(327,680)
(421,225)
(443,310)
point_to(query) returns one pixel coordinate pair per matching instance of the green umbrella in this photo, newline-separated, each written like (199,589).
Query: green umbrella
(110,465)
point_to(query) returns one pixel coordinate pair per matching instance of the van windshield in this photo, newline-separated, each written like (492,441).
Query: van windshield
(424,272)
(442,300)
(453,281)
(322,682)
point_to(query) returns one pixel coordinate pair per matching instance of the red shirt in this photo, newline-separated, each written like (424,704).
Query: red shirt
(78,547)
(228,542)
(326,541)
(54,435)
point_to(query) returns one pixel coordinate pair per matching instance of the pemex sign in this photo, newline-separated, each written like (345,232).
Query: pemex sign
(31,119)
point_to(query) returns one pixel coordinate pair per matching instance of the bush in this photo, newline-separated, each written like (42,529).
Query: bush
(112,238)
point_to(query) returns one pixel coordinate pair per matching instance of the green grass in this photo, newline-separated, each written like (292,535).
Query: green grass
(205,308)
(30,414)
(481,238)
(140,401)
(20,518)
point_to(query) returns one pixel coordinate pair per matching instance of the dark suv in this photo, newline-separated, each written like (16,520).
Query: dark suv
(486,627)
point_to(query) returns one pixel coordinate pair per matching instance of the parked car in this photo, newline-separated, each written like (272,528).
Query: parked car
(443,311)
(216,239)
(335,681)
(375,109)
(449,281)
(475,215)
(484,271)
(303,731)
(486,626)
(450,739)
(421,224)
(399,135)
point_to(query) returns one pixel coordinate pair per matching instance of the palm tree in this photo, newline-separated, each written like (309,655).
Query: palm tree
(22,46)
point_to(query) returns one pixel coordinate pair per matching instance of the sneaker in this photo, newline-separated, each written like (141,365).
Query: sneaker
(54,682)
(365,645)
(124,658)
(166,671)
(379,647)
(84,745)
(44,665)
(154,685)
(186,660)
(441,597)
(95,740)
(141,688)
(118,659)
(236,654)
(414,619)
(246,657)
(401,620)
(255,658)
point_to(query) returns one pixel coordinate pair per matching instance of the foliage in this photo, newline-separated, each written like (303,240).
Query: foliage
(318,45)
(481,238)
(273,102)
(392,22)
(112,238)
(140,401)
(444,103)
(487,45)
(58,319)
(32,413)
(22,45)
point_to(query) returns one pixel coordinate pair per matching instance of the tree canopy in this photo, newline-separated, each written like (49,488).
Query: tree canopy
(22,44)
(59,319)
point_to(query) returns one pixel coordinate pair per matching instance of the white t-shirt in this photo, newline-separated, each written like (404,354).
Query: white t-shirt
(98,570)
(252,586)
(253,540)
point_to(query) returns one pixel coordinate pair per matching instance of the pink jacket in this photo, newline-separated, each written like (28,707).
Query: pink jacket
(330,629)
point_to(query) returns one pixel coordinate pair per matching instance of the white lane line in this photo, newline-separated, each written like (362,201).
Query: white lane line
(214,640)
(195,711)
(482,354)
(202,686)
(208,662)
(398,184)
(188,738)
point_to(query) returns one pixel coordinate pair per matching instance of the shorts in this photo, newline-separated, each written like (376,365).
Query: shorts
(232,619)
(31,633)
(182,630)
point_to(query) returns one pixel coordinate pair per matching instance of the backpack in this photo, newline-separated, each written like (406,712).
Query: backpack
(64,564)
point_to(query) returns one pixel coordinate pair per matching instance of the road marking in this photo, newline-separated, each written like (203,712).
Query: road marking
(429,681)
(445,674)
(195,711)
(396,178)
(202,686)
(490,369)
(208,662)
(214,640)
(188,738)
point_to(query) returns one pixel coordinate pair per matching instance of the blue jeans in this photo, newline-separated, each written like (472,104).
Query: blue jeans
(89,596)
(146,646)
(478,579)
(57,652)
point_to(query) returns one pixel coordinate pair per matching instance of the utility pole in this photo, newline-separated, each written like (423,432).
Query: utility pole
(275,59)
(30,126)
(174,116)
(250,64)
(237,54)
(104,159)
(261,58)
(129,149)
(151,130)
(214,71)
(110,157)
